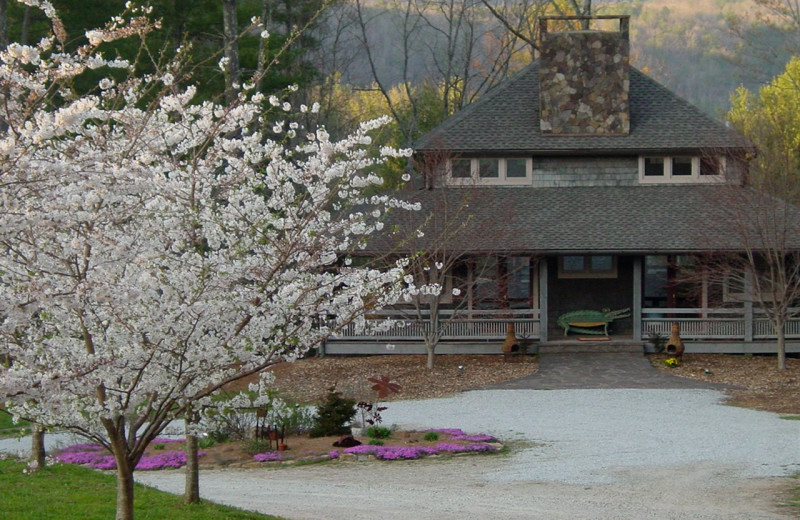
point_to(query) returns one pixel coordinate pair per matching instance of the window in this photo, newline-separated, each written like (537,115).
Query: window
(682,166)
(518,282)
(461,168)
(489,170)
(654,166)
(710,166)
(516,168)
(680,169)
(587,266)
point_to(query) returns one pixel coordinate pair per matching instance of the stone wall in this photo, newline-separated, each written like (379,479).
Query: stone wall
(584,83)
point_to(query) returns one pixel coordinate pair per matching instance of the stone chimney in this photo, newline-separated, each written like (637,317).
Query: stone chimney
(584,78)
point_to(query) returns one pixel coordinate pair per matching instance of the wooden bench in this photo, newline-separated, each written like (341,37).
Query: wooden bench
(588,322)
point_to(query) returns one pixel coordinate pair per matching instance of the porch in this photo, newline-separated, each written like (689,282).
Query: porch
(532,292)
(732,331)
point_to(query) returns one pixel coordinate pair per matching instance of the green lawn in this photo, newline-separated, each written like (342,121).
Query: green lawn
(64,492)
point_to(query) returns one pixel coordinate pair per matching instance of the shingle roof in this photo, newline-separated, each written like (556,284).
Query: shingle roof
(506,120)
(619,219)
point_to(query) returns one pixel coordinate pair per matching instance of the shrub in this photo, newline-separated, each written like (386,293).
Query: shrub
(658,340)
(299,421)
(431,436)
(159,446)
(206,442)
(379,432)
(333,415)
(254,446)
(375,442)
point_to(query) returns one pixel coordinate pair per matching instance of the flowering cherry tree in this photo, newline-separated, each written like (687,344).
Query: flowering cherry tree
(154,248)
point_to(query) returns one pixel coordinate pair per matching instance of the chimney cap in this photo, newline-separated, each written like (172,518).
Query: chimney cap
(624,22)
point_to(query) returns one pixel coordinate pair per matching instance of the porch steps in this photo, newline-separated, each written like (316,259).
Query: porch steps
(589,347)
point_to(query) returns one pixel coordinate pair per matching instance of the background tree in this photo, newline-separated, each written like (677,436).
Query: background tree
(448,282)
(155,250)
(467,54)
(766,272)
(765,220)
(767,36)
(770,119)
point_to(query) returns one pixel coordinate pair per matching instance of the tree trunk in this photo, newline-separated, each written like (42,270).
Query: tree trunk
(230,35)
(431,356)
(124,488)
(3,24)
(780,323)
(26,25)
(263,46)
(38,453)
(191,493)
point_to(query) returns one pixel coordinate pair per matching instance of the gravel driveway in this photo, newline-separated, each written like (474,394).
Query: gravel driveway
(577,454)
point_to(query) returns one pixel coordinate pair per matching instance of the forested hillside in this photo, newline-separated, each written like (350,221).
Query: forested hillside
(422,60)
(692,46)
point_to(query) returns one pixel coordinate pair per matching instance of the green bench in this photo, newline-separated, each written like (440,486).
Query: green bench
(589,322)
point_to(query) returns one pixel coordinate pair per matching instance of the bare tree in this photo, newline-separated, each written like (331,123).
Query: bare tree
(468,55)
(231,47)
(521,18)
(768,35)
(451,282)
(765,271)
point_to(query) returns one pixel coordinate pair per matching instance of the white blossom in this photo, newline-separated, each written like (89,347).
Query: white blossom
(153,248)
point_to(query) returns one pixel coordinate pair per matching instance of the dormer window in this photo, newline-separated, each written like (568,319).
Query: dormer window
(678,169)
(490,170)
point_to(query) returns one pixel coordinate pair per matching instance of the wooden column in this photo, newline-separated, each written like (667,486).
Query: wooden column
(543,299)
(637,299)
(748,306)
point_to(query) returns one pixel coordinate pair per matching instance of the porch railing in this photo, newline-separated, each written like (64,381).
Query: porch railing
(723,324)
(455,325)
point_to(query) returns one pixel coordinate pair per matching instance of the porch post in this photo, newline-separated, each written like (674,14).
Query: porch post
(543,300)
(748,306)
(637,298)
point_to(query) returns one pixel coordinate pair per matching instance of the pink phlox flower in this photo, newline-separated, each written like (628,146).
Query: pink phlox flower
(81,447)
(269,456)
(166,440)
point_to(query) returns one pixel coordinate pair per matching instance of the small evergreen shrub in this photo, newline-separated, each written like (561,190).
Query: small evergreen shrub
(379,432)
(206,442)
(333,415)
(431,436)
(255,446)
(375,442)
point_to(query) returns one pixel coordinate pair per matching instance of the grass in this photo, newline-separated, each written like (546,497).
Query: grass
(794,497)
(791,417)
(8,428)
(65,492)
